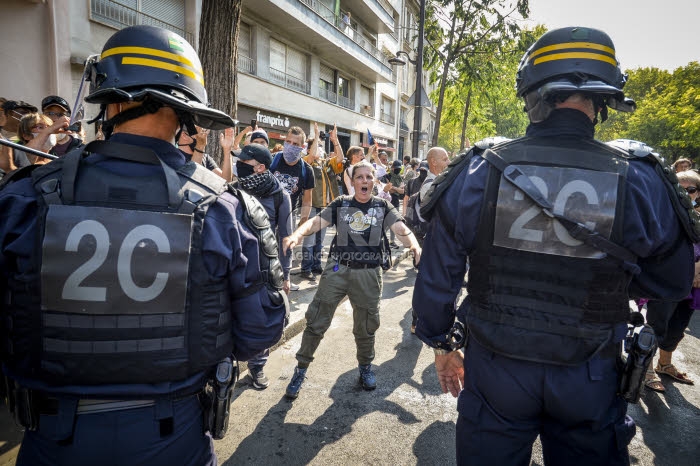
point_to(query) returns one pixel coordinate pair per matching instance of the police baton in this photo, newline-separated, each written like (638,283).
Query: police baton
(26,149)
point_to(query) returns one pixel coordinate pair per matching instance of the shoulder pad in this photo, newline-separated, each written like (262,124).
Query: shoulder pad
(444,180)
(204,177)
(488,143)
(16,175)
(255,211)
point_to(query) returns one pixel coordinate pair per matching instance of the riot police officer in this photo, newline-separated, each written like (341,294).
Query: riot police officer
(559,230)
(130,277)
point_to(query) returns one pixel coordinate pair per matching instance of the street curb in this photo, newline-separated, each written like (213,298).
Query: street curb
(295,327)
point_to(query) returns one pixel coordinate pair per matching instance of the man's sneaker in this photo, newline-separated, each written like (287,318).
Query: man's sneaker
(367,379)
(393,245)
(259,380)
(317,270)
(293,287)
(308,274)
(295,384)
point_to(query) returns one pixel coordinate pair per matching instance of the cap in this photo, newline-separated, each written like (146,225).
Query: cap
(10,105)
(423,166)
(259,133)
(55,100)
(396,164)
(256,152)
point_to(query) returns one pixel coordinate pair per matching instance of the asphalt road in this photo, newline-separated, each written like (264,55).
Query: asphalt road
(406,420)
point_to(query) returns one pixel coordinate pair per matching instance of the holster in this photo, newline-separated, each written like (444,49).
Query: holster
(218,396)
(640,346)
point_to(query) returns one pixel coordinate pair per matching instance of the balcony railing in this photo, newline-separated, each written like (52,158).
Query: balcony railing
(246,64)
(346,102)
(356,35)
(119,16)
(403,124)
(328,95)
(387,118)
(290,82)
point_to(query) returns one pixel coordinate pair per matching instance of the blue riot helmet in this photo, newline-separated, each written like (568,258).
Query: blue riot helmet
(155,66)
(567,61)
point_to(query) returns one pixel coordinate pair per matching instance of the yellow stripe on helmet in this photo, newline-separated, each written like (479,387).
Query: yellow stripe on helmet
(162,65)
(573,45)
(566,56)
(153,52)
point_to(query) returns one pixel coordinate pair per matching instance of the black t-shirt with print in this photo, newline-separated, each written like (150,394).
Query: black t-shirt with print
(359,227)
(290,175)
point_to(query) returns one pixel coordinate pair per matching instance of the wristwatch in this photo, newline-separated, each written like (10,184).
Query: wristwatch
(441,352)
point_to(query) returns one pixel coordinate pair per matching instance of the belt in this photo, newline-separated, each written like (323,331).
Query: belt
(49,405)
(357,265)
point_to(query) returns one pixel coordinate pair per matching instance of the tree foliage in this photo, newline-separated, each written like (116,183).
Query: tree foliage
(668,111)
(487,83)
(458,31)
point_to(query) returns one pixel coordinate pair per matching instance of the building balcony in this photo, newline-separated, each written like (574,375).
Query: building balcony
(116,15)
(246,64)
(290,82)
(377,14)
(367,110)
(326,36)
(387,118)
(330,96)
(346,102)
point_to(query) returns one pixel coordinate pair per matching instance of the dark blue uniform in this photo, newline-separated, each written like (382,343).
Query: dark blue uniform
(512,391)
(169,428)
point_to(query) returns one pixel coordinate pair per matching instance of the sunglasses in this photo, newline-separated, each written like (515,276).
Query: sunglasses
(56,114)
(691,189)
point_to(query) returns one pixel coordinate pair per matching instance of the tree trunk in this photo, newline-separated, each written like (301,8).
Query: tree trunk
(218,51)
(462,145)
(441,99)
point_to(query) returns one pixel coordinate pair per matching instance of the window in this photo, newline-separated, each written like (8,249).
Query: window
(246,63)
(387,114)
(169,14)
(288,67)
(326,87)
(366,101)
(344,94)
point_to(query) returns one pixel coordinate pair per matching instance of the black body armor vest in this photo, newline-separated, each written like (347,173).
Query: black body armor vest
(119,293)
(535,292)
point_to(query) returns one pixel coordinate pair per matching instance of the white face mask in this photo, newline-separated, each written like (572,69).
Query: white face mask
(50,141)
(61,137)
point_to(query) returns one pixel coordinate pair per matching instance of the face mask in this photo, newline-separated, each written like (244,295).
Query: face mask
(61,138)
(291,153)
(244,169)
(50,141)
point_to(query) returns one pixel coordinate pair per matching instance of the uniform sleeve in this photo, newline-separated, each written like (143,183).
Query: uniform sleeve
(653,231)
(230,250)
(444,259)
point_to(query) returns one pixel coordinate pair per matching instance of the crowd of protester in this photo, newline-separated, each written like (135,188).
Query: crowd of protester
(296,180)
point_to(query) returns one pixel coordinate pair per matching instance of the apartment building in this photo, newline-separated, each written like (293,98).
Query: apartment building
(299,61)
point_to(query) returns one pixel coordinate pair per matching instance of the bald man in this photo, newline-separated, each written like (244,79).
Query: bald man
(437,161)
